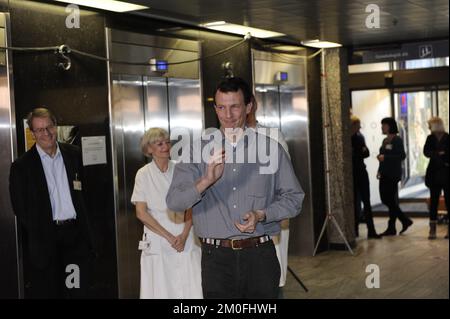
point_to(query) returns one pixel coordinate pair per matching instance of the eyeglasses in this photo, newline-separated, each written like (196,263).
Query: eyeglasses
(49,129)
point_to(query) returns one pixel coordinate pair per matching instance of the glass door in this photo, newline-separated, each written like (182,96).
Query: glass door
(442,108)
(371,106)
(412,111)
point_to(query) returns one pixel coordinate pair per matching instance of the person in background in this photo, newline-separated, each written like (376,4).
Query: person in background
(392,153)
(436,179)
(281,240)
(361,186)
(170,259)
(47,195)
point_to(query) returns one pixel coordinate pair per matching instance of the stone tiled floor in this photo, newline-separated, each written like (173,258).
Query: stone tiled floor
(411,266)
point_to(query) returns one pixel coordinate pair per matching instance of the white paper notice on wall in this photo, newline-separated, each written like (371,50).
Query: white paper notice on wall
(94,150)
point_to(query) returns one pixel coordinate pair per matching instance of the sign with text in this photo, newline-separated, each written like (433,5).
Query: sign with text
(94,150)
(409,51)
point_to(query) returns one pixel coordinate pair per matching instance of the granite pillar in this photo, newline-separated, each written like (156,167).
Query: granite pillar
(336,119)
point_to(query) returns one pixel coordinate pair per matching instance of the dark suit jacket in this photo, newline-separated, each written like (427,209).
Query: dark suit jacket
(438,167)
(31,201)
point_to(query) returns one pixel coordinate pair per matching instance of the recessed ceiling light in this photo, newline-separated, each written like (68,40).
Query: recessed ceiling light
(290,48)
(320,44)
(241,29)
(110,5)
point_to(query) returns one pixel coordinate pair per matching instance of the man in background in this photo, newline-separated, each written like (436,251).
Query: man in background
(46,189)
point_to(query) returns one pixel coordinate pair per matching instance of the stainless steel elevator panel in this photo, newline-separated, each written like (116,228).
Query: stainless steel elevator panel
(156,109)
(141,99)
(268,111)
(294,125)
(128,117)
(185,105)
(283,104)
(10,274)
(135,47)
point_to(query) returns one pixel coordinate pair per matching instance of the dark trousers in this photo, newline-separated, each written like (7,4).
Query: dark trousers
(361,192)
(54,281)
(251,273)
(435,193)
(389,197)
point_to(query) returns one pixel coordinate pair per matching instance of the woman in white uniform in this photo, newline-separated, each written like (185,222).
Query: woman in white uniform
(170,259)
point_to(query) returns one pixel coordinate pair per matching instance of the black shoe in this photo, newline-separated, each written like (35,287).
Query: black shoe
(374,236)
(389,232)
(406,225)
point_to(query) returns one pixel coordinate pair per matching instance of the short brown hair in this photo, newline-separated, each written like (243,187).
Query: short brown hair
(40,112)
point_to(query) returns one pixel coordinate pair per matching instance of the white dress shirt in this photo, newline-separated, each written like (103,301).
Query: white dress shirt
(58,185)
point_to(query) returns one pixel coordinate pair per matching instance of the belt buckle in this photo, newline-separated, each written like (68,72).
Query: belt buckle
(232,245)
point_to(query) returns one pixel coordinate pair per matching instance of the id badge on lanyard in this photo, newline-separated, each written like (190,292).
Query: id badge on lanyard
(77,183)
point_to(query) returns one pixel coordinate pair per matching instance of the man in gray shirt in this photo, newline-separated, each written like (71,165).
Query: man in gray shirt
(237,204)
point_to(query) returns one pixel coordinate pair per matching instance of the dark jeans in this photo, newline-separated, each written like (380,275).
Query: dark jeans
(389,197)
(50,282)
(435,193)
(252,273)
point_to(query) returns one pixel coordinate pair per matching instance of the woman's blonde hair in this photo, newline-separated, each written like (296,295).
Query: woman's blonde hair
(436,124)
(153,135)
(354,119)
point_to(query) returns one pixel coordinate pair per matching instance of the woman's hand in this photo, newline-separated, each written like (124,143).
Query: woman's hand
(179,242)
(170,238)
(380,157)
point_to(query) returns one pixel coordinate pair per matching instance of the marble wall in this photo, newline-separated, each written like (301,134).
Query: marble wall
(336,113)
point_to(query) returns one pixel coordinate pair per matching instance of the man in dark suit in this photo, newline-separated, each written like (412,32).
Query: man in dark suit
(46,189)
(361,186)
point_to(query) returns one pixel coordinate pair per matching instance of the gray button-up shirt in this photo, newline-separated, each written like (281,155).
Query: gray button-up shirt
(242,188)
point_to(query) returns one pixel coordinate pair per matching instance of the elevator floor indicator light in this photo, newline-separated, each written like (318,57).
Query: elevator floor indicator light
(282,76)
(159,65)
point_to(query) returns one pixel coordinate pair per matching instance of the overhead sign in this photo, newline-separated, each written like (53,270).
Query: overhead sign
(409,51)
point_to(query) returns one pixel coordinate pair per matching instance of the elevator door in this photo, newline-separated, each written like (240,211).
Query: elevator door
(11,285)
(139,103)
(285,107)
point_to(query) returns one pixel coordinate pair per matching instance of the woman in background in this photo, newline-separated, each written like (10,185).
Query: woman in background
(392,153)
(170,259)
(436,178)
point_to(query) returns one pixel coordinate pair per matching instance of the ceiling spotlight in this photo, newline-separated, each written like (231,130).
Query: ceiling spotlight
(241,30)
(109,5)
(320,44)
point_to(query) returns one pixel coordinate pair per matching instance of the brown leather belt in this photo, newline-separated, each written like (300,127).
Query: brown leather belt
(237,244)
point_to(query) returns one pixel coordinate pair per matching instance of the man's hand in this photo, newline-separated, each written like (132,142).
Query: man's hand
(214,171)
(380,157)
(215,167)
(251,218)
